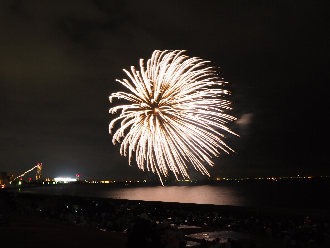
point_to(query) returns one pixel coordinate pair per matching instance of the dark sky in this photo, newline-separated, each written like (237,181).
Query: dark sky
(59,61)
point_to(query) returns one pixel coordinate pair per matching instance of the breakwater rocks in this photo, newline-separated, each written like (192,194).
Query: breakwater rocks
(162,224)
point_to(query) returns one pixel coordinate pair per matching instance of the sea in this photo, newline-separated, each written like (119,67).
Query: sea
(286,193)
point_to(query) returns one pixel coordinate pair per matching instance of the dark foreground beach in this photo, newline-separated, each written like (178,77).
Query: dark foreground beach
(29,220)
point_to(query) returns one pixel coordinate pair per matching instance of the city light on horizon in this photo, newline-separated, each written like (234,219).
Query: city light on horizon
(64,179)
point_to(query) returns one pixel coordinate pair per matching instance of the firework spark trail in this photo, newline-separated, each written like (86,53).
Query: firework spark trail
(174,114)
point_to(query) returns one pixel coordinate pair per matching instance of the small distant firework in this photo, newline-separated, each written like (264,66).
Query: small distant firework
(176,109)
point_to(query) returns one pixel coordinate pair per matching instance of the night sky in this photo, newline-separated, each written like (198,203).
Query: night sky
(59,61)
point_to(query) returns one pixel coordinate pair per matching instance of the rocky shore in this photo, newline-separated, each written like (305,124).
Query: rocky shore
(55,221)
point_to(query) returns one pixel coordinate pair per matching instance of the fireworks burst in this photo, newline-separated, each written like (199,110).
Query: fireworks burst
(176,109)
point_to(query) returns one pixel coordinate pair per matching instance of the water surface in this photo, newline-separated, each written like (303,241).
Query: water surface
(288,194)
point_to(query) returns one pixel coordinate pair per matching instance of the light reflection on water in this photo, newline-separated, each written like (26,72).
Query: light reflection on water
(200,194)
(204,194)
(192,244)
(222,235)
(255,193)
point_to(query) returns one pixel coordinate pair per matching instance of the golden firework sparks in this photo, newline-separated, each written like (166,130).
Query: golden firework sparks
(176,109)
